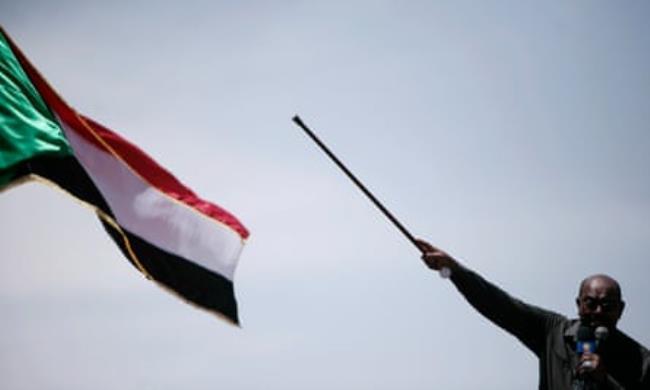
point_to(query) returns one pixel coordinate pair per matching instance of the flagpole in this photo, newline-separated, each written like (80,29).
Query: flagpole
(445,272)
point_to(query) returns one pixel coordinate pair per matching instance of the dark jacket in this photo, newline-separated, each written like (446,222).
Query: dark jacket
(551,338)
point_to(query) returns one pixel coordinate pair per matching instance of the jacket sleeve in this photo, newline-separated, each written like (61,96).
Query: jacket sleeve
(526,322)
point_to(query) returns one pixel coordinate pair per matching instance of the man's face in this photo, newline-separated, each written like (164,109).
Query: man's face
(599,303)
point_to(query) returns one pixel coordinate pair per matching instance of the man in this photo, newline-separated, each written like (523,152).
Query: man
(618,362)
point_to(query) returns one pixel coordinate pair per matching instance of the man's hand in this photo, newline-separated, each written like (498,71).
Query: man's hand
(591,366)
(434,258)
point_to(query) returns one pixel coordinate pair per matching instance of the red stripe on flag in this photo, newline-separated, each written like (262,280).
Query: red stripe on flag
(159,177)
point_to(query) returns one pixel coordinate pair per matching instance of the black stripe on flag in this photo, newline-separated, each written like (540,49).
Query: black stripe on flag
(193,282)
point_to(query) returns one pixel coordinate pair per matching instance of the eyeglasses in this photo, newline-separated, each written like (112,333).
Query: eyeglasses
(592,304)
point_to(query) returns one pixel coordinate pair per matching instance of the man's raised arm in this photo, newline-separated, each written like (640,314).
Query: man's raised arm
(526,322)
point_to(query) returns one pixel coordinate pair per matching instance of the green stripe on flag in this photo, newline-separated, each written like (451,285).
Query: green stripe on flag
(27,127)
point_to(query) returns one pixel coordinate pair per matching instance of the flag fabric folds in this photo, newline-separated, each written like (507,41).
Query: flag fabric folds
(184,243)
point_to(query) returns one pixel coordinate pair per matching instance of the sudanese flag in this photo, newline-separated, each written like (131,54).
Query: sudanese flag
(182,242)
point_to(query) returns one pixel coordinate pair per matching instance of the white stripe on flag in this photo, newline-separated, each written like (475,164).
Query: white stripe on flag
(154,216)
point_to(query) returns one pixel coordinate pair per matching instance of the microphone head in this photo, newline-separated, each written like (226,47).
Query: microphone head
(601,333)
(585,333)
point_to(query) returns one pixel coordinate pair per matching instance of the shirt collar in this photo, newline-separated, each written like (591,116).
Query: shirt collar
(571,331)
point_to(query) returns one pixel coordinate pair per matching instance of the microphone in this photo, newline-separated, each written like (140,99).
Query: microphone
(588,340)
(585,340)
(601,333)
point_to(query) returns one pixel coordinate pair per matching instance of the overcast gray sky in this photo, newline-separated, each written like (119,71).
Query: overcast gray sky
(513,134)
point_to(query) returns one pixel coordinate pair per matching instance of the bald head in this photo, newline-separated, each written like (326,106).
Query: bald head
(599,301)
(605,281)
